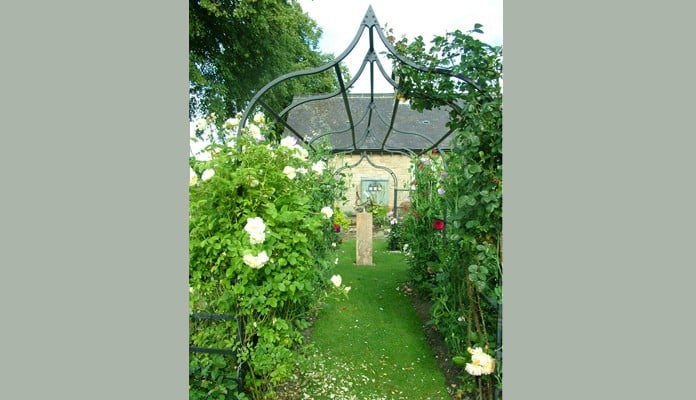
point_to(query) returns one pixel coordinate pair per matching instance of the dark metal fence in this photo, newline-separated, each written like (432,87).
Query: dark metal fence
(199,318)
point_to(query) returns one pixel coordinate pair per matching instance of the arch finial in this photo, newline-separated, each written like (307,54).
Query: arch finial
(370,19)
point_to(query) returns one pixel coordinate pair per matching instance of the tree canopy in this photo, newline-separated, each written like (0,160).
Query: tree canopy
(238,46)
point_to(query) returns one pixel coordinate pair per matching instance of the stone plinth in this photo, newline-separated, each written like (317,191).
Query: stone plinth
(363,239)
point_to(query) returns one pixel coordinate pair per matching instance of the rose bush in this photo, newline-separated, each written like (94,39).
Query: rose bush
(260,248)
(454,224)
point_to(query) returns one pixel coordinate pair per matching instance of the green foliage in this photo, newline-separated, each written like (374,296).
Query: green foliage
(209,378)
(417,230)
(379,211)
(394,240)
(461,266)
(340,218)
(286,188)
(238,46)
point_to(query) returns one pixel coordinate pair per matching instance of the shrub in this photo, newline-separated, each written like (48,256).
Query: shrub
(461,266)
(260,235)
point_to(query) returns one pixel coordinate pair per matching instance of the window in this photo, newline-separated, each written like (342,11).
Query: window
(377,188)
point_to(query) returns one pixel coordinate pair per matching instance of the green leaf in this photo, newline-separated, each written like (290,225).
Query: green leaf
(474,169)
(459,360)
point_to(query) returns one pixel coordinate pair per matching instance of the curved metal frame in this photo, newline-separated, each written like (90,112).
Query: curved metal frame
(370,23)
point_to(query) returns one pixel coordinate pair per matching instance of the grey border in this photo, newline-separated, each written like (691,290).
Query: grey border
(94,203)
(599,199)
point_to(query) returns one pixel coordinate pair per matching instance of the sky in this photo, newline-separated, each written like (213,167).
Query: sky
(340,20)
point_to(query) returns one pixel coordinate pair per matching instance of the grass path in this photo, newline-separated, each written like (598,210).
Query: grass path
(371,345)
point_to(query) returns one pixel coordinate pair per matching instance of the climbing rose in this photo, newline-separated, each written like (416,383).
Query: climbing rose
(319,167)
(336,280)
(255,262)
(439,224)
(230,123)
(289,171)
(255,227)
(327,211)
(301,153)
(207,174)
(255,132)
(288,141)
(481,363)
(259,118)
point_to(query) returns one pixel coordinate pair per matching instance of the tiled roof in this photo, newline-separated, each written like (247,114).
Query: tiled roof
(328,118)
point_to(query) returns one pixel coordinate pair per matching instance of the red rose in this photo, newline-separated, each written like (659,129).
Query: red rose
(439,224)
(337,227)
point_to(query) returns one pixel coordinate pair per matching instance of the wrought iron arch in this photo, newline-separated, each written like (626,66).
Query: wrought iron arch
(359,141)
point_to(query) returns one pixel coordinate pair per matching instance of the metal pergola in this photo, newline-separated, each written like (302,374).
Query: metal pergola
(363,123)
(370,131)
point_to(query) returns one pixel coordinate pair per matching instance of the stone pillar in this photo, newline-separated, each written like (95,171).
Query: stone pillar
(363,239)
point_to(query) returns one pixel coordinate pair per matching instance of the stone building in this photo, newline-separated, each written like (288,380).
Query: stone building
(371,150)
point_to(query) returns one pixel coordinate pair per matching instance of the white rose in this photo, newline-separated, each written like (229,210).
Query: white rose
(207,174)
(319,167)
(327,211)
(288,141)
(255,132)
(290,172)
(255,225)
(259,118)
(231,123)
(301,153)
(255,262)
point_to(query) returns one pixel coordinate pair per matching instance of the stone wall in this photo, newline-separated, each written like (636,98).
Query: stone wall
(399,164)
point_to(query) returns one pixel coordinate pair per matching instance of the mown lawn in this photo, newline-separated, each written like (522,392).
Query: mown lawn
(371,345)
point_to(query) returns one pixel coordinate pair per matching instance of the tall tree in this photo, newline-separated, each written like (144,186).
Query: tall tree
(238,46)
